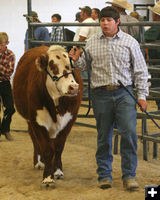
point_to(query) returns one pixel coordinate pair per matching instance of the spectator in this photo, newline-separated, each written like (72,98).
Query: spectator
(40,33)
(95,14)
(153,35)
(121,6)
(79,19)
(85,33)
(57,31)
(135,15)
(114,55)
(7,63)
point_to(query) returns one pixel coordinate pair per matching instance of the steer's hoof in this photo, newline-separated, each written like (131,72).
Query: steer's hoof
(48,183)
(58,174)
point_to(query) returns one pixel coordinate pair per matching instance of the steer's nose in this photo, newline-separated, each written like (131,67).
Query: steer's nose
(73,89)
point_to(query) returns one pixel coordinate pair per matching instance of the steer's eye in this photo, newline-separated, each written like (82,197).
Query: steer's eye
(53,67)
(67,67)
(58,57)
(65,73)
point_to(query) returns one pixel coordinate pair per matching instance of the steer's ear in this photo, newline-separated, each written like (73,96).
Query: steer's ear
(42,62)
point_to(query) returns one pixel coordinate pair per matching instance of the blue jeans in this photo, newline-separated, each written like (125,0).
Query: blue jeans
(7,99)
(112,107)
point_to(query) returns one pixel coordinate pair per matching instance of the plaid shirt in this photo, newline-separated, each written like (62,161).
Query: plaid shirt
(57,34)
(7,62)
(113,59)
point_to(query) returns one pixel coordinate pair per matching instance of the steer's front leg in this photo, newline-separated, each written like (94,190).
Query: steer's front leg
(47,149)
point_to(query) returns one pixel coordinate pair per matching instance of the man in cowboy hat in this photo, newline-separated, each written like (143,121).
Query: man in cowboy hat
(153,35)
(39,33)
(121,6)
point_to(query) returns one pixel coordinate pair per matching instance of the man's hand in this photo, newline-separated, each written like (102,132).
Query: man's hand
(143,104)
(74,53)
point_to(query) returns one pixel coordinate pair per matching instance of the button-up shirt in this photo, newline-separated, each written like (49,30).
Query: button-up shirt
(40,33)
(113,59)
(7,63)
(57,34)
(153,35)
(132,30)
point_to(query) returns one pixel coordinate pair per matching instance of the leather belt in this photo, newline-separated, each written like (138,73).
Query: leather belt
(111,87)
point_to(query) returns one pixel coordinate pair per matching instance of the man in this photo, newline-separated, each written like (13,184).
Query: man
(121,6)
(153,35)
(115,56)
(7,63)
(95,14)
(85,32)
(40,33)
(79,19)
(57,31)
(135,14)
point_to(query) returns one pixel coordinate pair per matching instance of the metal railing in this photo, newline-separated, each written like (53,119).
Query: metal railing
(153,94)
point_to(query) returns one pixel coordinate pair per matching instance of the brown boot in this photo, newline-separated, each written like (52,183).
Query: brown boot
(8,136)
(104,184)
(130,184)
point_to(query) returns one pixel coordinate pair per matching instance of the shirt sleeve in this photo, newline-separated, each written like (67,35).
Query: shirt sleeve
(45,35)
(84,31)
(151,34)
(84,59)
(140,72)
(7,66)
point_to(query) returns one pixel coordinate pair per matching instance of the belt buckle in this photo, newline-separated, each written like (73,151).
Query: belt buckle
(111,87)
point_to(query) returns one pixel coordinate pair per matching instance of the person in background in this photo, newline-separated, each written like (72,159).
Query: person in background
(79,19)
(115,56)
(57,31)
(95,14)
(134,14)
(152,35)
(121,6)
(85,32)
(39,33)
(7,63)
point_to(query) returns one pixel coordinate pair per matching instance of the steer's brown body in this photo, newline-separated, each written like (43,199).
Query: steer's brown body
(50,107)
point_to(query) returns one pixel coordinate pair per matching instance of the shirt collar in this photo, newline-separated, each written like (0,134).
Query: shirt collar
(123,13)
(5,52)
(117,35)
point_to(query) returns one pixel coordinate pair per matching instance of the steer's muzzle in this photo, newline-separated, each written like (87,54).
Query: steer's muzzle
(73,89)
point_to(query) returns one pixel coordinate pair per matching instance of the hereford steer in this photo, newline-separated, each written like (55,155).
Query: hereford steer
(47,95)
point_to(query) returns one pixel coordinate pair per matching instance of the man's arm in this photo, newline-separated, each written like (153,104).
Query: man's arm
(7,68)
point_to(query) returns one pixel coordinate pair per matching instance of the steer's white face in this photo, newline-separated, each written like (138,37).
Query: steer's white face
(59,65)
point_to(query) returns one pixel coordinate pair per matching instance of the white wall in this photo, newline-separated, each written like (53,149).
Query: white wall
(13,22)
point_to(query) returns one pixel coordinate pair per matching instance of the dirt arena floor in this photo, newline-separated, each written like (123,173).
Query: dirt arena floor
(20,181)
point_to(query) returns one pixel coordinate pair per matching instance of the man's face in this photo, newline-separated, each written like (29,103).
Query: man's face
(155,17)
(82,13)
(94,14)
(109,26)
(54,19)
(3,47)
